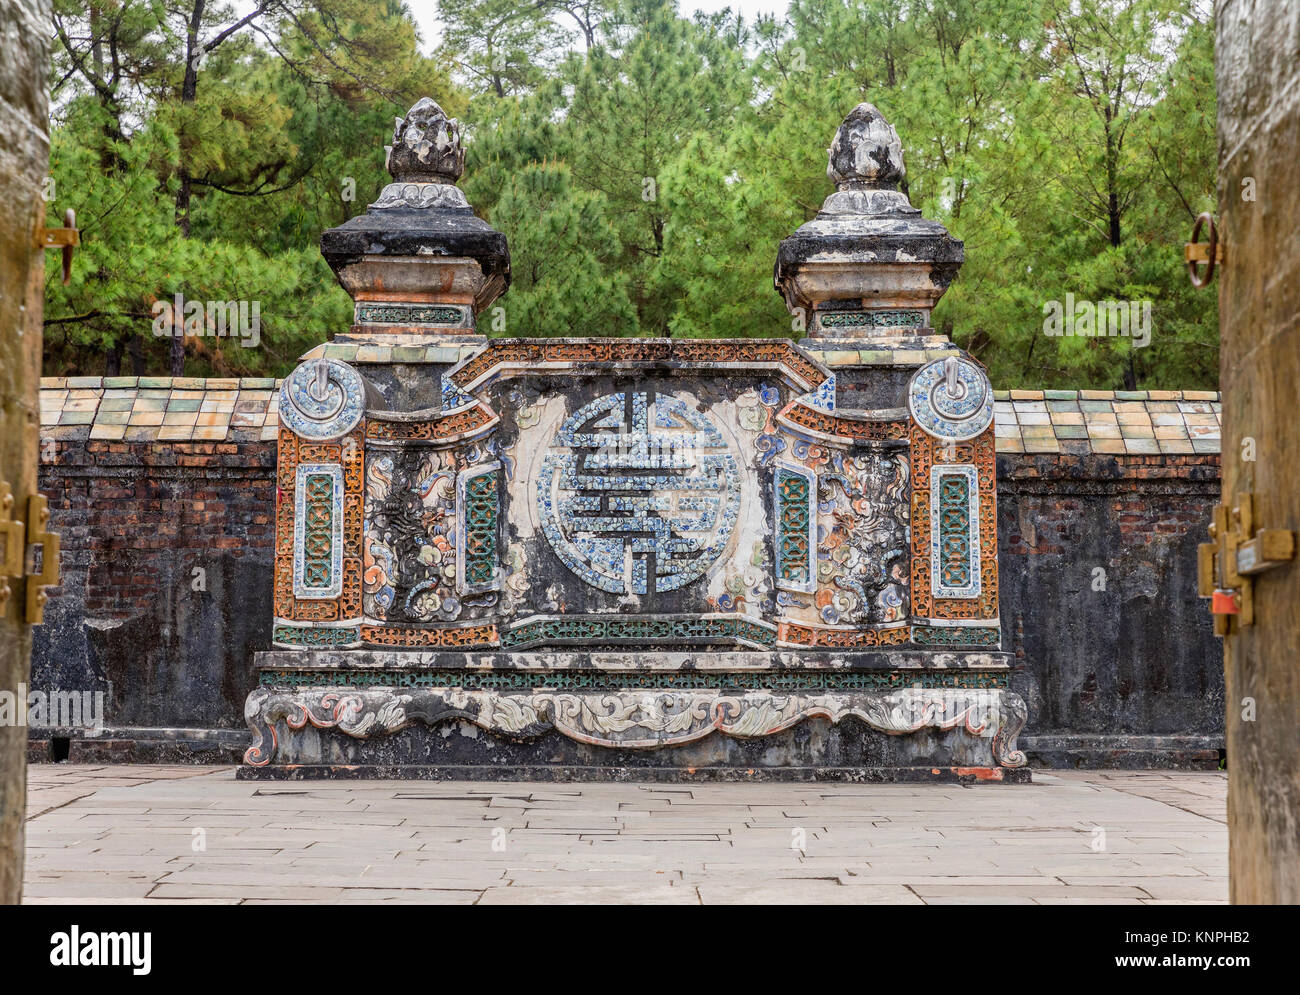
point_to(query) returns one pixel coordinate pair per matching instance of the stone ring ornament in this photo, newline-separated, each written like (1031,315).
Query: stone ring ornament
(322,399)
(951,399)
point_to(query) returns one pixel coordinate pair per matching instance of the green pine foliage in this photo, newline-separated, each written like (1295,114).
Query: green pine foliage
(644,165)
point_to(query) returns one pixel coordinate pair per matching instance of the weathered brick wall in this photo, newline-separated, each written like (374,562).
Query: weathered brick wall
(1098,599)
(1129,674)
(167,550)
(123,507)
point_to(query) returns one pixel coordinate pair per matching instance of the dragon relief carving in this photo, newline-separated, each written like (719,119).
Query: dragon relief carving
(864,501)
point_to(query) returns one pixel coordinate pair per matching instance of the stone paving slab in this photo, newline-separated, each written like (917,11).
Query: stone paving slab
(173,834)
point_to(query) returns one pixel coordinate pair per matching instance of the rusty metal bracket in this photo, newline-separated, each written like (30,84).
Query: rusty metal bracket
(1227,566)
(42,571)
(67,238)
(1210,253)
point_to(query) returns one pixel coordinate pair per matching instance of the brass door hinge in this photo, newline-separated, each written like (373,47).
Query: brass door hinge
(1226,567)
(29,551)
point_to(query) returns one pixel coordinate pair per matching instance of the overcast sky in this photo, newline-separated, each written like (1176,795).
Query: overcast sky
(426,12)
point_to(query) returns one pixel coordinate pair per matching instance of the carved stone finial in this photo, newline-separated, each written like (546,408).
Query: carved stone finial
(425,160)
(869,265)
(866,152)
(418,261)
(426,146)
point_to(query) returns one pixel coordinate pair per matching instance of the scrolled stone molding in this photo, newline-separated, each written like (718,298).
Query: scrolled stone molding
(419,196)
(1004,740)
(631,719)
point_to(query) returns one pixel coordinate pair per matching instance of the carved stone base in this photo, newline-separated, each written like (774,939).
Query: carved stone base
(935,729)
(566,774)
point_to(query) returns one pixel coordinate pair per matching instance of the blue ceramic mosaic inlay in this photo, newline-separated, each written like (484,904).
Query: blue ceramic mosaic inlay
(639,493)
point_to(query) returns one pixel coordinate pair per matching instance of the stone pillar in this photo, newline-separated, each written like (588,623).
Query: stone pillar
(1259,366)
(419,265)
(865,274)
(24,161)
(868,267)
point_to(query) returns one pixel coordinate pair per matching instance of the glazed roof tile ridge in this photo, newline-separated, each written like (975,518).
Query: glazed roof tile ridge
(225,409)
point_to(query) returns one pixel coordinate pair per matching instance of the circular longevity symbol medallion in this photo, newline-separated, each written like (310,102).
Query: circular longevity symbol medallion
(322,399)
(959,413)
(639,493)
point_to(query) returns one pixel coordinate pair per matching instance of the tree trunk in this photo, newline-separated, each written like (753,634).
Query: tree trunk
(1112,180)
(137,356)
(189,87)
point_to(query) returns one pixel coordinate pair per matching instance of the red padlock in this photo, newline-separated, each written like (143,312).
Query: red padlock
(1225,603)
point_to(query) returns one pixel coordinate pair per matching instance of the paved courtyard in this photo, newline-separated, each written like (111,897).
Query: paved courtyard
(195,834)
